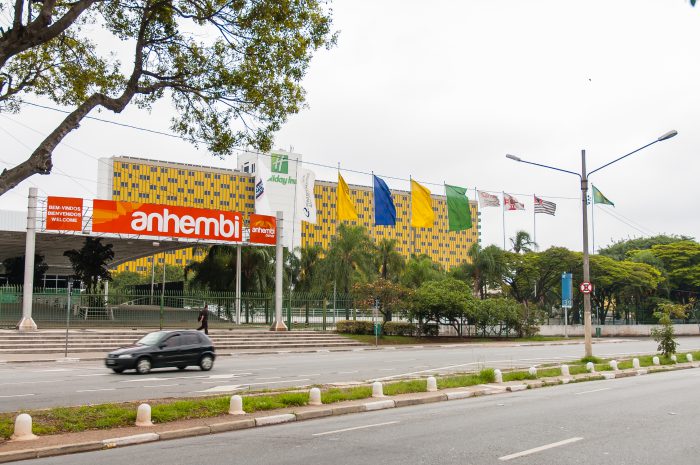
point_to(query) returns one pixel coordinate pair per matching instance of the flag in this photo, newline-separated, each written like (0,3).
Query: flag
(511,203)
(459,215)
(598,197)
(262,196)
(422,214)
(545,206)
(488,200)
(306,201)
(344,208)
(384,209)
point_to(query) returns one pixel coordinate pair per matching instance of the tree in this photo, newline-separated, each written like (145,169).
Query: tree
(389,261)
(447,301)
(485,267)
(392,297)
(522,242)
(349,258)
(681,261)
(14,269)
(621,249)
(233,68)
(125,279)
(665,335)
(91,263)
(309,268)
(420,269)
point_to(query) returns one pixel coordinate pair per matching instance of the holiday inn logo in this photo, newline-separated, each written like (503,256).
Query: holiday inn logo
(280,164)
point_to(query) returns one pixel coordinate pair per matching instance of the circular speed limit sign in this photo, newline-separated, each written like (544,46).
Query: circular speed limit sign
(586,287)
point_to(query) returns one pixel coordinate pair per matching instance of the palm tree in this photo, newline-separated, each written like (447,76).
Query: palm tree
(349,256)
(485,267)
(522,242)
(390,261)
(308,267)
(90,263)
(217,271)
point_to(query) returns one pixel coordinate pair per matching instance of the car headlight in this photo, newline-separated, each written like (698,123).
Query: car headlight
(126,356)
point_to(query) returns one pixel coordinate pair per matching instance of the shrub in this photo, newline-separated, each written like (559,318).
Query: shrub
(665,335)
(354,327)
(398,328)
(430,330)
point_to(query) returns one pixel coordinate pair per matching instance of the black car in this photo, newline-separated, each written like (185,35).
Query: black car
(164,349)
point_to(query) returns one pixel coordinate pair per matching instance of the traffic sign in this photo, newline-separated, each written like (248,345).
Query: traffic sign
(586,287)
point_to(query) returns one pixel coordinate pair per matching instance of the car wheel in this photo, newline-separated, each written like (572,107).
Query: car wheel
(181,367)
(118,370)
(206,362)
(143,366)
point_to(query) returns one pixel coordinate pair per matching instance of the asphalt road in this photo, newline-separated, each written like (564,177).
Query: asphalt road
(39,385)
(642,420)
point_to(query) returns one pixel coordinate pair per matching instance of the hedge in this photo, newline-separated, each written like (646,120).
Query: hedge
(354,327)
(399,328)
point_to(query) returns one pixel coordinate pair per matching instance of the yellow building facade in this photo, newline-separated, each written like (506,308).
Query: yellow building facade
(151,181)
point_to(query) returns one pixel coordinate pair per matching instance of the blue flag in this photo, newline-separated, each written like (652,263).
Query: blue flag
(384,209)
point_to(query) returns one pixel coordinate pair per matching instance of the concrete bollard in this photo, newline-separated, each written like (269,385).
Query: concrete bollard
(590,367)
(613,365)
(315,396)
(635,363)
(377,389)
(565,370)
(689,357)
(656,361)
(431,384)
(674,359)
(498,375)
(533,371)
(23,428)
(236,406)
(143,415)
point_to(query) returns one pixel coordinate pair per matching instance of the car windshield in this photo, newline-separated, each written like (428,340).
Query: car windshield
(151,339)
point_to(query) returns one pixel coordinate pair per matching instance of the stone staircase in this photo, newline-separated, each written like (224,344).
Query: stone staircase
(85,340)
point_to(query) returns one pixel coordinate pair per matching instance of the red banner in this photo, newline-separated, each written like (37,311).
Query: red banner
(263,229)
(64,214)
(110,216)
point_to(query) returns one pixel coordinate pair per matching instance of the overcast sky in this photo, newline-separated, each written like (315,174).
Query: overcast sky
(442,90)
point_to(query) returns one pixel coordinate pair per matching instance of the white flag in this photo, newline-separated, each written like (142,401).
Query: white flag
(511,203)
(488,200)
(262,197)
(306,201)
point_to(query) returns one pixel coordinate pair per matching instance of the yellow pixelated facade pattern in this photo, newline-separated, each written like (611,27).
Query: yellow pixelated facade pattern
(149,181)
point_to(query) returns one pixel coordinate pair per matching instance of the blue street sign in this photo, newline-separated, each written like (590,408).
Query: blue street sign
(566,290)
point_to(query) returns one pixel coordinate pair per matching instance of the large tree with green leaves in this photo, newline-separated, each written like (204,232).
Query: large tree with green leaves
(349,259)
(232,68)
(14,269)
(446,301)
(91,263)
(420,269)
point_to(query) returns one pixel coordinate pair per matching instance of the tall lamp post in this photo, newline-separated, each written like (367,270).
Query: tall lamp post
(584,203)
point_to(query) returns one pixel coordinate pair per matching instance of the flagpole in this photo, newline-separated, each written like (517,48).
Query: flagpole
(593,224)
(534,220)
(503,219)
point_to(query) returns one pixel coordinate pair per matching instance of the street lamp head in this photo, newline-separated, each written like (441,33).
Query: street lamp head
(668,135)
(513,157)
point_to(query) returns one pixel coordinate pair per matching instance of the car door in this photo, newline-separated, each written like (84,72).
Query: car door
(170,351)
(190,348)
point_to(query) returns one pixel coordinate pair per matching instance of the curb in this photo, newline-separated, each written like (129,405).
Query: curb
(327,411)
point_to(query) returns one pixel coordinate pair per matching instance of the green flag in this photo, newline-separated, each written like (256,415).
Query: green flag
(458,213)
(598,197)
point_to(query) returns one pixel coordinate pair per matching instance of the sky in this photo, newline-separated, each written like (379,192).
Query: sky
(443,90)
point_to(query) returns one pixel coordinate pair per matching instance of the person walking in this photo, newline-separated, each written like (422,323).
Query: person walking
(203,320)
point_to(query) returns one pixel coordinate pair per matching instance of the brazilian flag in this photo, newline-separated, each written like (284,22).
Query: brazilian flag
(598,197)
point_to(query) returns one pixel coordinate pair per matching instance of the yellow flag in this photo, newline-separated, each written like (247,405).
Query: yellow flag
(422,215)
(345,209)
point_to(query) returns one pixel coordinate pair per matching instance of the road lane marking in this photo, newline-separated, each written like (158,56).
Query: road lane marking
(234,387)
(96,390)
(159,385)
(18,395)
(271,377)
(355,428)
(141,380)
(539,449)
(594,390)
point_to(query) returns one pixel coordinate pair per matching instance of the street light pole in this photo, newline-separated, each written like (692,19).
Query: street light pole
(584,211)
(586,266)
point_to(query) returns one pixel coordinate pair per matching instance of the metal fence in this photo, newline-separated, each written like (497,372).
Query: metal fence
(130,308)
